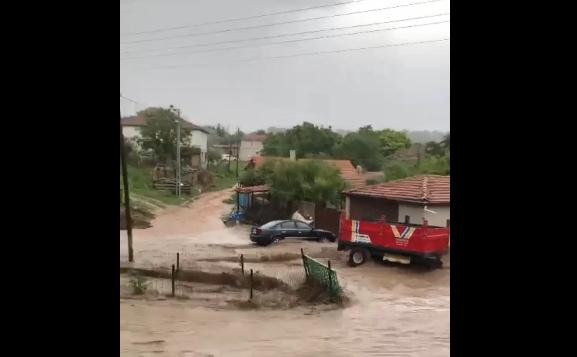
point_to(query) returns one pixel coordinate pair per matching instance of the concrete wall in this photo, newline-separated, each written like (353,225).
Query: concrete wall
(417,213)
(249,149)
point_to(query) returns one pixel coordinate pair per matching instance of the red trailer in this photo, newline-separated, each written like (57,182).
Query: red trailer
(397,242)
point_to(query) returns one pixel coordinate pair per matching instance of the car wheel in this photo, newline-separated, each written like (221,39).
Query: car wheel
(357,256)
(275,240)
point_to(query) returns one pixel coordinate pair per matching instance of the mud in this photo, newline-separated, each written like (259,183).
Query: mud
(394,310)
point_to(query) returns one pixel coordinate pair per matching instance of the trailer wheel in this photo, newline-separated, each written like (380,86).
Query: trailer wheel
(357,256)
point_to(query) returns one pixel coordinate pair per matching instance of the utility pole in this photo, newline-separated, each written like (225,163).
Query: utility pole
(177,111)
(126,194)
(237,152)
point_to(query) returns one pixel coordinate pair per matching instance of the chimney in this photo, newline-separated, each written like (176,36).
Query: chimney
(293,155)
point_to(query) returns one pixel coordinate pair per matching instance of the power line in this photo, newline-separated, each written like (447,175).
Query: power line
(277,23)
(240,18)
(130,100)
(307,54)
(282,35)
(288,41)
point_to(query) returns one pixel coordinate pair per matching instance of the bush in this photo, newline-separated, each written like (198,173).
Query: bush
(139,285)
(252,177)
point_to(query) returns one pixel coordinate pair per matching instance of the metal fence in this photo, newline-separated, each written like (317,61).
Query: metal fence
(322,274)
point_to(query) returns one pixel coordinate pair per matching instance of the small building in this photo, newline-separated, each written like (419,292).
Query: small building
(412,199)
(251,145)
(198,137)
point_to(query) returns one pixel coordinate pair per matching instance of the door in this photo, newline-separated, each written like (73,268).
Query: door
(288,229)
(303,230)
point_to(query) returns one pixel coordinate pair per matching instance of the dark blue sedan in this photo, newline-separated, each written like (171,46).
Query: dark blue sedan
(275,231)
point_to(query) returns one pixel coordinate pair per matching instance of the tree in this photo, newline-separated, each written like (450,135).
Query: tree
(160,133)
(307,180)
(435,149)
(362,149)
(260,132)
(392,141)
(306,139)
(446,142)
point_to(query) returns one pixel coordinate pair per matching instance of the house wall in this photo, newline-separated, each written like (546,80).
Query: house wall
(130,132)
(200,140)
(367,208)
(417,213)
(249,149)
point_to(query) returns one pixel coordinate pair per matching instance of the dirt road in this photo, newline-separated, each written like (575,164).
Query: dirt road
(395,310)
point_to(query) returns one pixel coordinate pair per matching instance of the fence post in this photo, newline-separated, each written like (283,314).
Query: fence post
(242,264)
(172,277)
(305,263)
(177,261)
(330,281)
(251,284)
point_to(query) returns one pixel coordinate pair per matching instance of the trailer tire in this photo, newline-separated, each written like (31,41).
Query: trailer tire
(357,256)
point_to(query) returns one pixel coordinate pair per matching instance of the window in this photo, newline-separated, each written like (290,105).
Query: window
(302,225)
(286,225)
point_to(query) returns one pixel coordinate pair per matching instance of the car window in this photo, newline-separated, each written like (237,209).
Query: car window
(287,225)
(302,225)
(270,224)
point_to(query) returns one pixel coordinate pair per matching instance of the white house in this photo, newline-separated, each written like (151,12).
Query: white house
(199,136)
(251,145)
(413,199)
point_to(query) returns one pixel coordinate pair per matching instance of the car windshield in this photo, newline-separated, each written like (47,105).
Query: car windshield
(270,224)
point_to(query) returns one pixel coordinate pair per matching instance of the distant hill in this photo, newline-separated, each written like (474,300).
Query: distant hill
(424,136)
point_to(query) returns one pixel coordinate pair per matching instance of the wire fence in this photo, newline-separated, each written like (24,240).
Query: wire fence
(322,274)
(178,275)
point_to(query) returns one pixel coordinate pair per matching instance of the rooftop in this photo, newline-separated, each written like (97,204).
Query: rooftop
(427,189)
(255,137)
(141,121)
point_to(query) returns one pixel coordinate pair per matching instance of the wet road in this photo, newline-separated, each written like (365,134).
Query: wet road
(395,310)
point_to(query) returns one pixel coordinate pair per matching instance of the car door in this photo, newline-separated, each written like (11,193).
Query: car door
(288,229)
(304,230)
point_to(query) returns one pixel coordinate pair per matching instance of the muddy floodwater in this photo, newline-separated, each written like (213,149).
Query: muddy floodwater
(394,310)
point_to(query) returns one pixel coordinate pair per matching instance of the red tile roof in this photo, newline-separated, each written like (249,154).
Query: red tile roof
(345,167)
(427,189)
(140,121)
(255,137)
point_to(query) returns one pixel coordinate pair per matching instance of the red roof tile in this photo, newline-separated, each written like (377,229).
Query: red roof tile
(431,189)
(140,121)
(254,137)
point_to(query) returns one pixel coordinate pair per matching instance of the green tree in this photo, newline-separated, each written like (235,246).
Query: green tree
(362,149)
(446,142)
(392,141)
(306,139)
(160,133)
(307,180)
(434,148)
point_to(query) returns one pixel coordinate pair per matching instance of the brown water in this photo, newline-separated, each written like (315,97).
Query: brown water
(395,310)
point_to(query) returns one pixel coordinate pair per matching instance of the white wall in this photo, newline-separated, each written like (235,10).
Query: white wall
(249,149)
(130,132)
(200,140)
(417,213)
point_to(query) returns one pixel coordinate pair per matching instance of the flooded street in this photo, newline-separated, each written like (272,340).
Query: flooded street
(394,310)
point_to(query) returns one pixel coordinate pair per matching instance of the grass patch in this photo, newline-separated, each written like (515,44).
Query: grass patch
(222,177)
(140,184)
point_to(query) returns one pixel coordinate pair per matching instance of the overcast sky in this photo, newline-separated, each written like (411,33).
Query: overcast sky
(402,87)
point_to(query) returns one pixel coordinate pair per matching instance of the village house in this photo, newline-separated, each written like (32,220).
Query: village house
(408,200)
(199,136)
(251,145)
